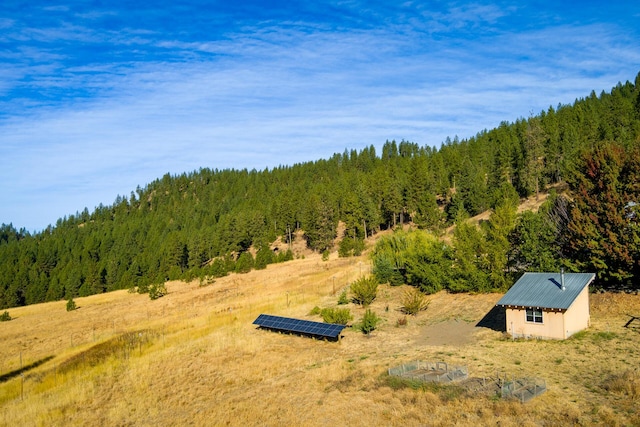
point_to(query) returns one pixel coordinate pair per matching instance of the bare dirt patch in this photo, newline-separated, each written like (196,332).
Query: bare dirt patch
(450,332)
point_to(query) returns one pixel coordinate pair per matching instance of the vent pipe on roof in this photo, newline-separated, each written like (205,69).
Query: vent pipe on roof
(562,278)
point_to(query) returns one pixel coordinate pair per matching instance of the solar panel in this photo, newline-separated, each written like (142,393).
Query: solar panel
(329,330)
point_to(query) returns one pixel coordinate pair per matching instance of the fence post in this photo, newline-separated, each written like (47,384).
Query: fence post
(21,379)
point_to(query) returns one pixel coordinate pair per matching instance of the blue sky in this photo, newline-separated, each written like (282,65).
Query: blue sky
(97,97)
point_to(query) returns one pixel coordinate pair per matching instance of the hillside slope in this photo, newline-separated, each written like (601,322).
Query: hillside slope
(173,226)
(194,358)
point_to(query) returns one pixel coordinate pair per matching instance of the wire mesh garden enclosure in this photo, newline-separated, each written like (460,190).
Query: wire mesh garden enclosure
(523,389)
(438,372)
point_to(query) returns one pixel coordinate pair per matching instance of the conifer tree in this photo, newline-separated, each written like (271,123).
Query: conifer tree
(603,232)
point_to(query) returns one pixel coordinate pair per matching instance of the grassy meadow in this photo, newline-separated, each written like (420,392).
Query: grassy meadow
(193,357)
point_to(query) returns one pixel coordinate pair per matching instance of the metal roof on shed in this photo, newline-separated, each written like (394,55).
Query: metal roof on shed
(544,290)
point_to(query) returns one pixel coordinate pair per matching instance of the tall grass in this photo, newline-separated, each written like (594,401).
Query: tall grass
(200,361)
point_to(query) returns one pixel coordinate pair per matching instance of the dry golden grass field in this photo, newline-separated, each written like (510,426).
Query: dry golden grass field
(193,357)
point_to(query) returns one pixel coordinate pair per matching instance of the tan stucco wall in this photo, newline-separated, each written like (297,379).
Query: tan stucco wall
(577,317)
(555,325)
(551,327)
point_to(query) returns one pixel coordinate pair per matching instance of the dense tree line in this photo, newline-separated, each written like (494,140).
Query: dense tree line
(205,222)
(595,227)
(480,258)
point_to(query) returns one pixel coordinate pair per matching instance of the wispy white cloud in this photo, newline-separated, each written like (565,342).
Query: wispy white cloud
(466,16)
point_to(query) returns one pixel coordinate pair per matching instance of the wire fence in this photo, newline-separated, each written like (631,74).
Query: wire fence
(438,372)
(522,389)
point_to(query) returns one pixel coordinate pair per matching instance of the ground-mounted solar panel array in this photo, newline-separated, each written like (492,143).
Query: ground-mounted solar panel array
(305,327)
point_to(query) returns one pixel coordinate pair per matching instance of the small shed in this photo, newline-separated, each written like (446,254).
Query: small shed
(547,305)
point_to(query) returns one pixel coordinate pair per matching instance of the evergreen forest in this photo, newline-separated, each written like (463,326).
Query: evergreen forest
(207,223)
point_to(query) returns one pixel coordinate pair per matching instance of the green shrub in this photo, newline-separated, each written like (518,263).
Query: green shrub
(325,255)
(264,257)
(414,301)
(364,290)
(245,263)
(342,299)
(341,316)
(192,274)
(386,272)
(5,317)
(358,247)
(157,290)
(315,311)
(284,256)
(217,268)
(388,258)
(345,248)
(175,273)
(71,304)
(369,322)
(350,247)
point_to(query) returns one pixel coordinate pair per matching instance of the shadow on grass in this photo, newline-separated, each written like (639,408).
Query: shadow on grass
(631,325)
(9,375)
(495,319)
(302,334)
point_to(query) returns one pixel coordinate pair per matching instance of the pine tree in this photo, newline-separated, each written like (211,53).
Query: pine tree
(534,155)
(603,236)
(533,244)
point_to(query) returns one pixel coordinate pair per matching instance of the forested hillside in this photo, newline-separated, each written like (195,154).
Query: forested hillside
(203,223)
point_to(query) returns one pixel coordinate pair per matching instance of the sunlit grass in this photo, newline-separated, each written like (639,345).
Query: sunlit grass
(194,357)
